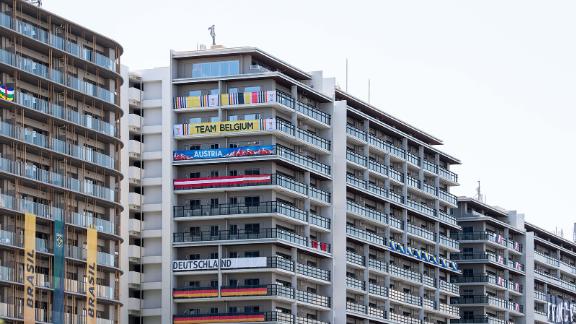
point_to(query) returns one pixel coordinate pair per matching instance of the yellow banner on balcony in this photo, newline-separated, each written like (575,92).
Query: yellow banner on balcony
(29,268)
(91,273)
(225,127)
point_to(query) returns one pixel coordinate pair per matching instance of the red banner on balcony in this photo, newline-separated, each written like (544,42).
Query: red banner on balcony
(195,293)
(244,291)
(229,318)
(231,181)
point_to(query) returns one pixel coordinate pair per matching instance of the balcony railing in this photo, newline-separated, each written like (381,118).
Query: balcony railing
(266,233)
(30,171)
(491,279)
(304,161)
(356,158)
(252,180)
(56,76)
(355,283)
(79,152)
(266,207)
(479,320)
(365,235)
(487,300)
(54,110)
(355,258)
(303,108)
(51,39)
(303,135)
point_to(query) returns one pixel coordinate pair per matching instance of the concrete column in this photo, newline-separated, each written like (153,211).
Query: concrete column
(528,297)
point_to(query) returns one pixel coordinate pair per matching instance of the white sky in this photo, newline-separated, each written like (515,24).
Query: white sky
(495,80)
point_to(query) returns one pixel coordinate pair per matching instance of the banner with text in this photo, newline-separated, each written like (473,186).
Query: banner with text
(212,128)
(560,311)
(211,264)
(29,268)
(223,153)
(91,273)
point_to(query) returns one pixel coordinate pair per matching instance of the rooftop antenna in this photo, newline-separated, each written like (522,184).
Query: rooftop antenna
(212,30)
(479,196)
(368,90)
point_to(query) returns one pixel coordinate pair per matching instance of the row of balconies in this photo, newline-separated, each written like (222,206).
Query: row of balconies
(379,314)
(267,207)
(251,291)
(382,193)
(401,154)
(83,153)
(479,320)
(58,111)
(553,280)
(490,279)
(265,234)
(56,76)
(488,236)
(242,317)
(253,180)
(384,243)
(557,263)
(489,257)
(399,177)
(30,171)
(50,212)
(53,40)
(43,315)
(503,305)
(261,97)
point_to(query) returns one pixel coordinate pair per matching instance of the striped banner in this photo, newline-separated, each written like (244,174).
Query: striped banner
(227,181)
(91,273)
(224,99)
(228,318)
(244,291)
(29,268)
(195,293)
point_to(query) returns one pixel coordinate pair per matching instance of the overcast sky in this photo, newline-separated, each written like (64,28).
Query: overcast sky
(495,80)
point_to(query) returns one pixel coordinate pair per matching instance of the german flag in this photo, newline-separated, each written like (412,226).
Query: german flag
(228,318)
(244,291)
(195,293)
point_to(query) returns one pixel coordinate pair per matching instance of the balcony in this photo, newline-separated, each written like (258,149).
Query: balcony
(30,101)
(479,320)
(488,300)
(448,242)
(558,282)
(302,108)
(490,279)
(79,253)
(135,123)
(134,278)
(134,96)
(268,207)
(303,135)
(403,297)
(489,257)
(135,175)
(56,76)
(356,259)
(134,149)
(134,201)
(251,180)
(83,153)
(263,234)
(10,238)
(354,283)
(304,161)
(421,232)
(134,252)
(365,235)
(366,311)
(490,237)
(85,220)
(53,40)
(134,226)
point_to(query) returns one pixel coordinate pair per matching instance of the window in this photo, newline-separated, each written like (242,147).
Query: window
(252,228)
(252,89)
(214,230)
(233,173)
(233,229)
(214,119)
(233,255)
(251,116)
(214,91)
(215,69)
(194,120)
(195,204)
(214,255)
(194,93)
(252,171)
(252,254)
(232,145)
(233,200)
(214,283)
(194,284)
(251,309)
(214,203)
(195,230)
(214,173)
(233,118)
(232,309)
(194,147)
(214,146)
(214,310)
(252,201)
(194,174)
(232,90)
(252,282)
(195,256)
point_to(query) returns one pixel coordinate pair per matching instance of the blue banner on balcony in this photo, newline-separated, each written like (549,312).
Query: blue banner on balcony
(223,153)
(58,273)
(560,311)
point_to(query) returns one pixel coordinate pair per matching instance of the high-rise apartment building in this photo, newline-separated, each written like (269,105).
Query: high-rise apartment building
(512,271)
(263,193)
(59,169)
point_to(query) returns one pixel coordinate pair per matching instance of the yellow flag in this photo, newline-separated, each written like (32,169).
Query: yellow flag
(29,268)
(91,274)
